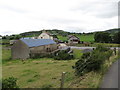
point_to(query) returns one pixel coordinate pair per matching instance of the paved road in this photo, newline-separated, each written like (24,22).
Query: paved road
(82,48)
(111,78)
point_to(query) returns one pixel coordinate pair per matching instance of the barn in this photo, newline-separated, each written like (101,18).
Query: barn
(27,48)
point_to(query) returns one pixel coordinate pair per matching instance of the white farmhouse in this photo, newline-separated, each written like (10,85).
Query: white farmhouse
(46,35)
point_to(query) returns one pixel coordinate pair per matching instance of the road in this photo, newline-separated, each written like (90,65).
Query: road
(111,78)
(82,48)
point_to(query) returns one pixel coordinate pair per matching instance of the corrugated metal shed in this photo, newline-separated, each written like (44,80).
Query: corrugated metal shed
(37,42)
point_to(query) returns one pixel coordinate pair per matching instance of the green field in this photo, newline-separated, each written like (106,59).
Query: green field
(62,38)
(46,72)
(86,38)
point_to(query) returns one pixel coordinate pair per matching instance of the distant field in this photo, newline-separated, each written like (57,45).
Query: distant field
(86,38)
(62,38)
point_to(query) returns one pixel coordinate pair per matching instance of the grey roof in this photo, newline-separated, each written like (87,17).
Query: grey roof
(37,42)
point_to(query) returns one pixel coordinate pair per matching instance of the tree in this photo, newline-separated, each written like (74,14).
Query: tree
(103,37)
(116,38)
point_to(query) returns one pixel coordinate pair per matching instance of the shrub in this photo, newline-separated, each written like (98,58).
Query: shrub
(9,83)
(63,55)
(40,55)
(92,61)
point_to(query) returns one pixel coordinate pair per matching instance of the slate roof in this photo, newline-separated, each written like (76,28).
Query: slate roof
(37,42)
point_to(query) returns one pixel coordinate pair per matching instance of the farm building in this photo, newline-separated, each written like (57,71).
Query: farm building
(72,39)
(27,48)
(46,35)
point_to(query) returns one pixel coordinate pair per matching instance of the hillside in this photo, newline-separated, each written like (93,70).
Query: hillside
(53,31)
(112,31)
(61,34)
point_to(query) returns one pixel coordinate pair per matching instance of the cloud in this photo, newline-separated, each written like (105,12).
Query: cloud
(98,9)
(9,8)
(18,16)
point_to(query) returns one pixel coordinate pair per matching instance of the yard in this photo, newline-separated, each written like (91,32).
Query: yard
(46,72)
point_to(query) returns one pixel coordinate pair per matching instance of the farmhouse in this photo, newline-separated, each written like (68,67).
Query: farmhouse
(72,39)
(46,35)
(27,48)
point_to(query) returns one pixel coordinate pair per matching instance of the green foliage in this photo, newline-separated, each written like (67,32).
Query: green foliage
(9,83)
(63,55)
(40,55)
(116,38)
(92,61)
(103,37)
(30,80)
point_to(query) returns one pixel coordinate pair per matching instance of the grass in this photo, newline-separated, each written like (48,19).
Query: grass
(46,72)
(107,44)
(36,73)
(6,55)
(93,79)
(86,38)
(77,53)
(62,38)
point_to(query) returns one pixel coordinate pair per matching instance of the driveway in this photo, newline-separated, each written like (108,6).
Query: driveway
(111,78)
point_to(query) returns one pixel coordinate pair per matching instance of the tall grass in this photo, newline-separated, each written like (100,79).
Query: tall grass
(77,53)
(6,55)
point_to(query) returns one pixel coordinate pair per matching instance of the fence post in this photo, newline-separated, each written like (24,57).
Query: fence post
(115,50)
(62,80)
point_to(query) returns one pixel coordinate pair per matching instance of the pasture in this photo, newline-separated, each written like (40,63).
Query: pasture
(86,38)
(46,72)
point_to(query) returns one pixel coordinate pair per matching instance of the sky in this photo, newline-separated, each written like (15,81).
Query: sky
(18,16)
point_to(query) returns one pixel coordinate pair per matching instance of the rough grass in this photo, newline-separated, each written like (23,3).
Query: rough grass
(38,73)
(77,53)
(107,44)
(6,55)
(93,79)
(46,73)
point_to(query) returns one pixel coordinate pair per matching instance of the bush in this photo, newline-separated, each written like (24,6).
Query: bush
(40,55)
(92,61)
(9,83)
(63,55)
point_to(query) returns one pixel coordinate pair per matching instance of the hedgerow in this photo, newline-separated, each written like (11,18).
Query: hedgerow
(92,61)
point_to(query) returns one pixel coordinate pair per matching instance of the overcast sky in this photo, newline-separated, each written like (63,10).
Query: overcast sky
(18,16)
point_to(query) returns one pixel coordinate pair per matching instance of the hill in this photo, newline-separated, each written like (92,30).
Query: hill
(53,31)
(61,34)
(112,31)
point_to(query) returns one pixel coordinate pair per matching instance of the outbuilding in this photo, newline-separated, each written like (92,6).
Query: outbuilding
(27,48)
